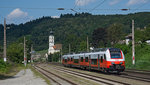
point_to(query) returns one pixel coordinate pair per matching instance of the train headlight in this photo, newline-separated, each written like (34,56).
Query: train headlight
(112,63)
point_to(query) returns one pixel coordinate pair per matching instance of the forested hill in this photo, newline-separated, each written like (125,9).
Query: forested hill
(70,28)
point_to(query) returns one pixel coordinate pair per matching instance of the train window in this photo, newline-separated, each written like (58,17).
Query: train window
(115,53)
(76,60)
(86,59)
(68,59)
(81,59)
(94,61)
(104,56)
(101,59)
(65,60)
(71,59)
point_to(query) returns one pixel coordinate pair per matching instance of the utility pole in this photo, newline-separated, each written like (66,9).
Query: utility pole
(133,48)
(31,54)
(25,58)
(87,44)
(69,48)
(5,55)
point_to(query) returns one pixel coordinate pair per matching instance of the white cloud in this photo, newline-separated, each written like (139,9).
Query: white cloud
(113,2)
(17,13)
(17,16)
(133,2)
(83,2)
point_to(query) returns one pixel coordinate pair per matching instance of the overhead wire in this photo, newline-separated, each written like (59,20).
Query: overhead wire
(139,7)
(97,5)
(31,8)
(76,4)
(75,8)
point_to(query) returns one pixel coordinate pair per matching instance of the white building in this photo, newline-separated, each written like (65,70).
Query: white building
(148,41)
(52,47)
(128,39)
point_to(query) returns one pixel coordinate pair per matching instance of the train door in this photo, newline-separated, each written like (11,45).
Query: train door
(104,61)
(71,61)
(79,61)
(89,62)
(86,61)
(68,60)
(98,62)
(101,58)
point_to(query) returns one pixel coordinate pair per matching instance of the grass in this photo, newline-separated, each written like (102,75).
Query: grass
(142,56)
(10,71)
(36,73)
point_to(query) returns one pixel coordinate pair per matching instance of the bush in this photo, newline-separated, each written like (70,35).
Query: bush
(142,53)
(4,67)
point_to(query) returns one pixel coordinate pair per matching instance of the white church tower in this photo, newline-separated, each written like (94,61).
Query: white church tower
(51,49)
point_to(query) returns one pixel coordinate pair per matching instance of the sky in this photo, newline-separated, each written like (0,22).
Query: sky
(21,11)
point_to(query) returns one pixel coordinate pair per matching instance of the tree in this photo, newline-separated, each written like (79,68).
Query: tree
(15,52)
(1,49)
(142,34)
(99,37)
(147,33)
(139,36)
(82,46)
(56,57)
(115,33)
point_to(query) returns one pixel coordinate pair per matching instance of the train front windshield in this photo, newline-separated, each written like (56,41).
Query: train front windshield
(115,53)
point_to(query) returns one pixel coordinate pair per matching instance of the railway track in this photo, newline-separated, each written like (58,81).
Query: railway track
(55,78)
(123,75)
(138,71)
(135,77)
(97,79)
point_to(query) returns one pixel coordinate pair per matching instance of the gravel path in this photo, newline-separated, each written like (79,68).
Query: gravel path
(24,77)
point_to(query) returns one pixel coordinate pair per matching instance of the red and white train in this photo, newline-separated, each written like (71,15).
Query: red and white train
(104,59)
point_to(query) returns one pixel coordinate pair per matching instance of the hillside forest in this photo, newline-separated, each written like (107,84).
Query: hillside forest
(103,31)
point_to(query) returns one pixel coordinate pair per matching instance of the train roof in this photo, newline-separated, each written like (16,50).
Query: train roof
(95,51)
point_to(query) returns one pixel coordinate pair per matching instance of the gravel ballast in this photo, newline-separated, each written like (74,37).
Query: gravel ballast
(24,77)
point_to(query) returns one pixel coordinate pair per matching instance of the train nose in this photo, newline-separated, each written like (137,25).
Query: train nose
(117,66)
(112,63)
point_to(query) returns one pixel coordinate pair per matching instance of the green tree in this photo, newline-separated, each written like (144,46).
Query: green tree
(139,36)
(1,49)
(115,33)
(15,52)
(82,46)
(142,34)
(99,37)
(56,57)
(50,58)
(147,33)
